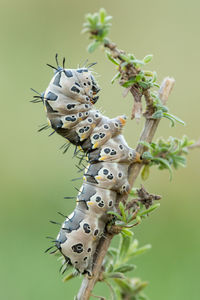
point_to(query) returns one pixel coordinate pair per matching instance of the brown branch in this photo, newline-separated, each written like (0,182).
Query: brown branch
(137,106)
(134,170)
(149,103)
(129,72)
(115,51)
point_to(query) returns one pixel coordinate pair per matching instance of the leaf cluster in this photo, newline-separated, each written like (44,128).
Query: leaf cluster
(97,25)
(116,265)
(131,214)
(165,154)
(163,111)
(142,78)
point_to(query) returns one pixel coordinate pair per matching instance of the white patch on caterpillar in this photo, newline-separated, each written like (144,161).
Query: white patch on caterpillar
(71,215)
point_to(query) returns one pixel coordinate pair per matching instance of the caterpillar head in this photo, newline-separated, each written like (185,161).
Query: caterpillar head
(88,83)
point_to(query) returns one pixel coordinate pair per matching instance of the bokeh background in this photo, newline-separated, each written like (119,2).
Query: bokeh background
(35,175)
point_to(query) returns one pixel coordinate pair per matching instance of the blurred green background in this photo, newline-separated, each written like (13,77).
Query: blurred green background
(35,175)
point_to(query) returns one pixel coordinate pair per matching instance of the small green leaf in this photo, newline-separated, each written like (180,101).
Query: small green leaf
(85,30)
(133,246)
(123,65)
(138,251)
(89,18)
(114,61)
(157,115)
(131,56)
(124,285)
(165,163)
(162,107)
(118,293)
(125,242)
(125,268)
(139,77)
(175,118)
(147,155)
(145,172)
(102,14)
(129,82)
(93,46)
(115,275)
(147,58)
(180,160)
(128,232)
(117,75)
(130,219)
(137,62)
(169,118)
(69,276)
(108,18)
(150,209)
(138,219)
(125,58)
(145,85)
(122,210)
(115,214)
(95,18)
(156,85)
(146,144)
(142,297)
(148,73)
(133,192)
(154,76)
(109,266)
(113,251)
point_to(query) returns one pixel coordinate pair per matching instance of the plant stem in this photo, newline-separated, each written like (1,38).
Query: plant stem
(134,170)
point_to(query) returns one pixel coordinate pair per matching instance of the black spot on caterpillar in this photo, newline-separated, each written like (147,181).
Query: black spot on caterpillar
(86,228)
(74,89)
(49,108)
(68,73)
(78,248)
(57,79)
(51,96)
(71,114)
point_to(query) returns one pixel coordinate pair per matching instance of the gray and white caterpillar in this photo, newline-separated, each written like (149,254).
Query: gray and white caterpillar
(69,103)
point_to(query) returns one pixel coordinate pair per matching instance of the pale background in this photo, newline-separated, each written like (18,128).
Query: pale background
(35,175)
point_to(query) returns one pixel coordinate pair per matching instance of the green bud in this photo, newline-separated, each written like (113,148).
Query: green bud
(147,155)
(128,232)
(157,115)
(69,276)
(147,58)
(125,268)
(102,14)
(154,76)
(93,46)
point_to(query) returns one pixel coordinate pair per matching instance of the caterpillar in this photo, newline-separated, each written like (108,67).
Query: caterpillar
(69,104)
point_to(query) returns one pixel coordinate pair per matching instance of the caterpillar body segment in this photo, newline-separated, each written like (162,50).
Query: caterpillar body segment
(68,102)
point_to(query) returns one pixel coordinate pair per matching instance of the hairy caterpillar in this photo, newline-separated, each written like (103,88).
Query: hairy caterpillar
(69,103)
